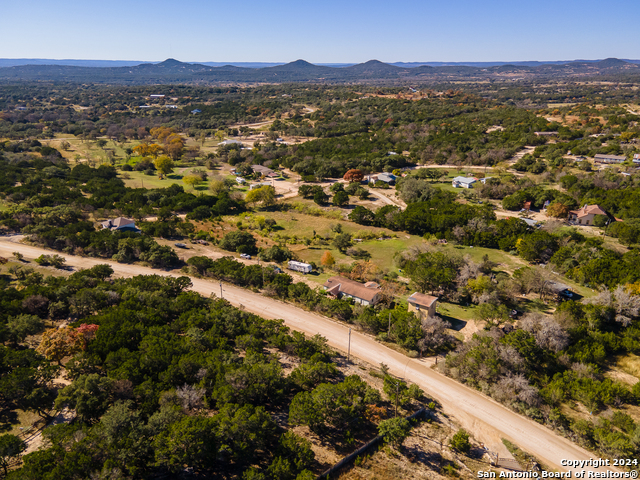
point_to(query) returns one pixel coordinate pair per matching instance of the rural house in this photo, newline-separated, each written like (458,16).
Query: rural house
(422,305)
(585,215)
(601,158)
(363,293)
(120,224)
(262,170)
(387,178)
(463,182)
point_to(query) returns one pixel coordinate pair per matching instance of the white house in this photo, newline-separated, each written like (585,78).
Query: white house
(463,182)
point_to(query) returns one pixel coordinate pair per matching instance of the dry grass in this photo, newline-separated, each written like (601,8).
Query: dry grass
(629,364)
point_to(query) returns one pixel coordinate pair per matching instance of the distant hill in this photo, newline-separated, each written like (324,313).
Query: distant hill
(174,71)
(14,62)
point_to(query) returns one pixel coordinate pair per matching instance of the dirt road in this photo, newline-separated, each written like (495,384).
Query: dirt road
(485,418)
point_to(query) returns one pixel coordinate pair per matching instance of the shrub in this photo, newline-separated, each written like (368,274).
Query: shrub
(460,441)
(241,242)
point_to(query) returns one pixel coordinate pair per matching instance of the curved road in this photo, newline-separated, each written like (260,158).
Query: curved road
(488,420)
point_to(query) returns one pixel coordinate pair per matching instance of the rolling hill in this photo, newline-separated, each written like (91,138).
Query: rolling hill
(174,71)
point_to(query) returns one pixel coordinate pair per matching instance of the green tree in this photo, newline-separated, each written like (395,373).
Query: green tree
(23,325)
(265,194)
(432,271)
(164,165)
(320,197)
(192,180)
(341,198)
(493,315)
(342,242)
(537,247)
(10,446)
(89,395)
(190,441)
(394,430)
(241,242)
(362,216)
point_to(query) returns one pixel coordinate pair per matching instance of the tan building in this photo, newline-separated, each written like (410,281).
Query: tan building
(422,305)
(585,215)
(363,293)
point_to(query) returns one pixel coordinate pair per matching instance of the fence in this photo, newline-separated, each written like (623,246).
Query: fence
(351,457)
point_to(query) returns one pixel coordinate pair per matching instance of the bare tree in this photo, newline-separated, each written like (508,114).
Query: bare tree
(434,334)
(516,388)
(627,305)
(547,332)
(190,396)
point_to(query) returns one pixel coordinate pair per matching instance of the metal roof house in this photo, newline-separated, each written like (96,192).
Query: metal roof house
(387,178)
(121,224)
(600,158)
(463,182)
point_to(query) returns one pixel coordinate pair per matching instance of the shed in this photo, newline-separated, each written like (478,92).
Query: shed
(419,303)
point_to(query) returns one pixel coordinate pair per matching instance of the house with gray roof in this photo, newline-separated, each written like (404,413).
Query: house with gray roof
(463,182)
(121,224)
(601,158)
(389,178)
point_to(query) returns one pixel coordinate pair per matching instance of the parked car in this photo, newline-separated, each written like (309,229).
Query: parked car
(246,256)
(181,245)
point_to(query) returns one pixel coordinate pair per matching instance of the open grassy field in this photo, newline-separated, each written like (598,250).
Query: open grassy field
(136,179)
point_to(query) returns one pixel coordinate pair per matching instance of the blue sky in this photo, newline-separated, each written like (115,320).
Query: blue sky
(328,31)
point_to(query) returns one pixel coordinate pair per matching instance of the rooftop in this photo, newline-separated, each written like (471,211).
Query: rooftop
(589,210)
(355,289)
(421,300)
(465,179)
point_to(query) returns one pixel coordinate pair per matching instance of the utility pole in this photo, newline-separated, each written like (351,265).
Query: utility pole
(397,392)
(389,333)
(349,348)
(221,290)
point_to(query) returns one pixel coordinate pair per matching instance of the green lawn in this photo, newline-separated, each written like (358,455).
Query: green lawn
(140,180)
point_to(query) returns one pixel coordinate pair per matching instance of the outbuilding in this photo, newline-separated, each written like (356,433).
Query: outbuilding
(422,305)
